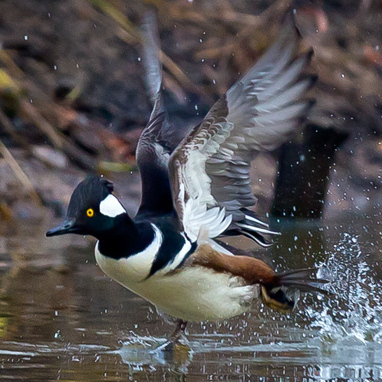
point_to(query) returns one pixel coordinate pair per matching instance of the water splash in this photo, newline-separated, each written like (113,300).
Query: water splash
(354,313)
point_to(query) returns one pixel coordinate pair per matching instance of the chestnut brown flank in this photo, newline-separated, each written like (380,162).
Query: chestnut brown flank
(253,271)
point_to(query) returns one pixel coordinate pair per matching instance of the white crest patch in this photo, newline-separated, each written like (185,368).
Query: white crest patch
(110,206)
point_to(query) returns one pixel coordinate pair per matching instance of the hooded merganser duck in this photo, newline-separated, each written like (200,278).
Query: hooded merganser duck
(196,190)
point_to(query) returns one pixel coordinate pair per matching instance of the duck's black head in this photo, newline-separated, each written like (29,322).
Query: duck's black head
(93,209)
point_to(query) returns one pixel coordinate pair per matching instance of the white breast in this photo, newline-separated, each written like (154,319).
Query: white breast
(135,268)
(192,294)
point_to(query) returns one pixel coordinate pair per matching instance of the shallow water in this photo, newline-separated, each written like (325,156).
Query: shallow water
(62,319)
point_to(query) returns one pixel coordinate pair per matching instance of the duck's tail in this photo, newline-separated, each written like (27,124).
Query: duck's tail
(302,279)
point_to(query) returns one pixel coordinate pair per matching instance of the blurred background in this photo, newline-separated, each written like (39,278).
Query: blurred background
(73,98)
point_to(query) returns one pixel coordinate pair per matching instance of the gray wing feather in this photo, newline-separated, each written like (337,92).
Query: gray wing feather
(265,107)
(211,167)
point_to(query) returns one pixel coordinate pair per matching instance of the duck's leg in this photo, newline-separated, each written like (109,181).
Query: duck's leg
(179,330)
(175,336)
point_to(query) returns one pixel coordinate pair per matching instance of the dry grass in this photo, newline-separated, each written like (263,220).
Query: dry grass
(219,41)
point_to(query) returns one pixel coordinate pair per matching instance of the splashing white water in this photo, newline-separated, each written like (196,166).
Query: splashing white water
(354,312)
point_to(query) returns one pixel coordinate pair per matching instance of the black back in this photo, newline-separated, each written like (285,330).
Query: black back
(159,138)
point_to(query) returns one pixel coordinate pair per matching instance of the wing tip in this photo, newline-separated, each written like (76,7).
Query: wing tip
(151,57)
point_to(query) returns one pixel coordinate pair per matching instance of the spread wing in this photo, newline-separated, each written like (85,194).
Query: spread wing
(210,170)
(159,138)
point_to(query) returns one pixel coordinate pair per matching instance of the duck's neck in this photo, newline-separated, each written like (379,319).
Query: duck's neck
(127,238)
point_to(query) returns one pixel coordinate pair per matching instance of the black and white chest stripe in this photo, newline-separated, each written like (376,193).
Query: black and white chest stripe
(174,250)
(167,251)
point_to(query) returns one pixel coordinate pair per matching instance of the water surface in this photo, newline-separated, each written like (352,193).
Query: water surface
(62,319)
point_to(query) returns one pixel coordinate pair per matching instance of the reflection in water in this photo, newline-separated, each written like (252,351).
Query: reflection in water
(61,318)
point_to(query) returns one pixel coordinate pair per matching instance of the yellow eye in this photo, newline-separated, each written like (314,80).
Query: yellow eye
(90,212)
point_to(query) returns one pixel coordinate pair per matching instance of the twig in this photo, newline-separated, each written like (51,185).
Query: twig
(20,174)
(7,125)
(120,18)
(133,36)
(42,123)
